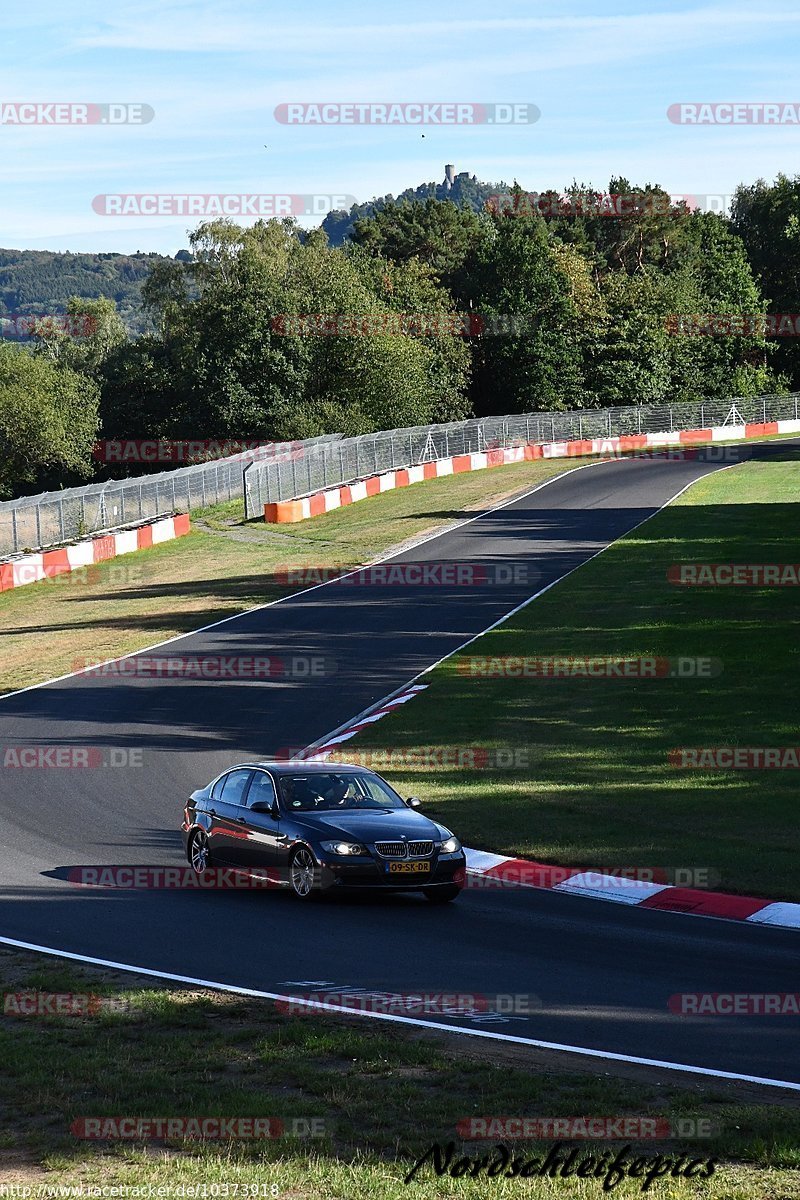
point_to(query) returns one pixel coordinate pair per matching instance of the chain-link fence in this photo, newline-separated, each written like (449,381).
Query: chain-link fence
(35,522)
(349,459)
(286,470)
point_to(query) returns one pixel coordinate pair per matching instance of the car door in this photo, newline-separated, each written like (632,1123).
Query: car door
(264,848)
(228,814)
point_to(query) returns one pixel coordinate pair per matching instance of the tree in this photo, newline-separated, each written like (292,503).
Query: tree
(434,232)
(767,219)
(529,358)
(48,420)
(83,338)
(246,335)
(627,228)
(35,282)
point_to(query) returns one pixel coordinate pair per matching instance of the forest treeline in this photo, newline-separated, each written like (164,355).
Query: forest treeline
(432,308)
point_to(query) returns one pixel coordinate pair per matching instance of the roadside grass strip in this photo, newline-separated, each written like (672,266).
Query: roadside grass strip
(352,1109)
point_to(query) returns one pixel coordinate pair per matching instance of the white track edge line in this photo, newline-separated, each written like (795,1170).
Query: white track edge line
(608,1055)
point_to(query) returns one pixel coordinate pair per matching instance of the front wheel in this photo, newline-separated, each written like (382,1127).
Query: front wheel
(302,870)
(441,895)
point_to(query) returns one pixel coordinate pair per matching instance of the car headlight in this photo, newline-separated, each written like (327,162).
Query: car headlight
(450,845)
(344,848)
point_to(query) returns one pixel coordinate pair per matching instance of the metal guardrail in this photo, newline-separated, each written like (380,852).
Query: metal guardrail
(52,518)
(286,470)
(353,458)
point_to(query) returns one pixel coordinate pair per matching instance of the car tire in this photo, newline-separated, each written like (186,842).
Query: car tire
(200,859)
(302,874)
(441,895)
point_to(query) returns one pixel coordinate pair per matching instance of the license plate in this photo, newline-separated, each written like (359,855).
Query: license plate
(408,868)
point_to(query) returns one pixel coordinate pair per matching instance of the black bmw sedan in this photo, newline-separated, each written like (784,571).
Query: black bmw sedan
(313,826)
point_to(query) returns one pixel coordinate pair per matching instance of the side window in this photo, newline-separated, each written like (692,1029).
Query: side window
(235,787)
(216,791)
(262,790)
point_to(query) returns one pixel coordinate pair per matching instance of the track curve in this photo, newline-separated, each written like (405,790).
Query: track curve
(603,972)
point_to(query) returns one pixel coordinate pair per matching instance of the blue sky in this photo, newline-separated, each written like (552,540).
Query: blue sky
(603,75)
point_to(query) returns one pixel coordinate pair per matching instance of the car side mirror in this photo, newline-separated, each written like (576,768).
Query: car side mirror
(413,802)
(265,806)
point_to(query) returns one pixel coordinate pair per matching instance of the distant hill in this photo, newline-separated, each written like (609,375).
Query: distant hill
(463,189)
(42,281)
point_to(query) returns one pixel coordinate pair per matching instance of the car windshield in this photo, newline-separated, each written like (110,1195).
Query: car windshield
(322,792)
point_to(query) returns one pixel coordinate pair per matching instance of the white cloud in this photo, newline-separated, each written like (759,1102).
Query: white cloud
(221,31)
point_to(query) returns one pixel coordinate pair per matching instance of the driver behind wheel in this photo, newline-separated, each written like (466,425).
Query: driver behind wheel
(338,793)
(298,795)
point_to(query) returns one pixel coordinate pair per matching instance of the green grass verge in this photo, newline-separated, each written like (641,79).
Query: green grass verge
(598,789)
(224,566)
(383,1095)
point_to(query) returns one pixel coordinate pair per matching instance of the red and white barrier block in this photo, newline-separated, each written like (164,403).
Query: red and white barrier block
(290,511)
(47,564)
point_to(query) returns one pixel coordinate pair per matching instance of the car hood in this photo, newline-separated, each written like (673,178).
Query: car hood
(372,825)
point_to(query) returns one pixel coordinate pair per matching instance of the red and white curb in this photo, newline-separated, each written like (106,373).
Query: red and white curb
(33,568)
(314,505)
(319,753)
(578,881)
(501,871)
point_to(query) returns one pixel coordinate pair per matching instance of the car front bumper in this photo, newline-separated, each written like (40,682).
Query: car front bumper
(443,871)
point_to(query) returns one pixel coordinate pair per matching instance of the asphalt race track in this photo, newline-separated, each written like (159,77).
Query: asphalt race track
(603,973)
